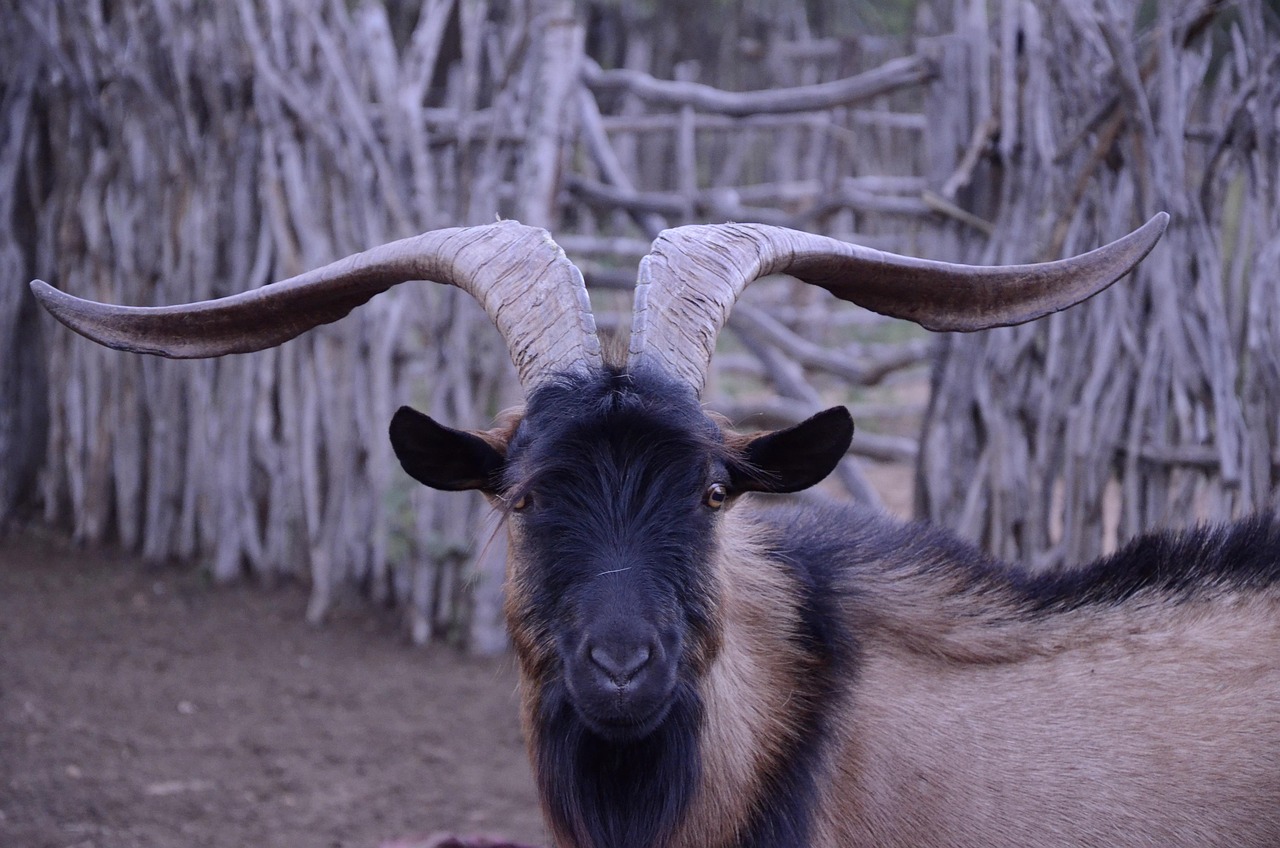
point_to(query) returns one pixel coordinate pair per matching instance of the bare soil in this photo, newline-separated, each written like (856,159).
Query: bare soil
(143,707)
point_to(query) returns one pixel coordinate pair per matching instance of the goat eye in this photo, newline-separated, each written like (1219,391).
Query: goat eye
(717,494)
(522,501)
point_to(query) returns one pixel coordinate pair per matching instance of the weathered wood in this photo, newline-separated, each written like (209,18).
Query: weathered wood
(1145,407)
(728,204)
(896,74)
(650,220)
(558,55)
(665,122)
(863,370)
(254,140)
(277,465)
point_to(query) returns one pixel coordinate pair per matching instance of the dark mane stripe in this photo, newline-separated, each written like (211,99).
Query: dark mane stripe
(1182,565)
(791,791)
(851,539)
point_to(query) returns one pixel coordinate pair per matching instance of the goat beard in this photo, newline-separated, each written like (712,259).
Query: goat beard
(602,793)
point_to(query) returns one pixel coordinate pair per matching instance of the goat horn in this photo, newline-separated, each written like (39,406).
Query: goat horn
(521,278)
(693,275)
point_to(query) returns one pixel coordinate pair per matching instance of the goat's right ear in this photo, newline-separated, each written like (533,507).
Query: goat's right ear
(444,458)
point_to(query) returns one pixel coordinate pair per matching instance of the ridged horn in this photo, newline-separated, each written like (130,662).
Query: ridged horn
(529,289)
(693,275)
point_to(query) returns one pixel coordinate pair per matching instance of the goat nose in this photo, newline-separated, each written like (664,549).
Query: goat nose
(620,663)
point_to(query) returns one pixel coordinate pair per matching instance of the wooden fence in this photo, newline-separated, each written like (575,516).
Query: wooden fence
(1159,402)
(163,152)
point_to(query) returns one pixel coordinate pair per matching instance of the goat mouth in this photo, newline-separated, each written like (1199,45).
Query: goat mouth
(624,728)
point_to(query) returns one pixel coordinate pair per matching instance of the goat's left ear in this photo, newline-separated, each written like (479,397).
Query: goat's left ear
(444,458)
(795,458)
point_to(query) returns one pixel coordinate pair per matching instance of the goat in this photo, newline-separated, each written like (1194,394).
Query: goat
(701,670)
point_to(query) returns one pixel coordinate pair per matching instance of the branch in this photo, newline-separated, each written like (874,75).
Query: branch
(865,372)
(725,203)
(943,206)
(606,159)
(895,74)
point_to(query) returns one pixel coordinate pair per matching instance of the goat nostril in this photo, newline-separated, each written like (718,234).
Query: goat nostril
(622,666)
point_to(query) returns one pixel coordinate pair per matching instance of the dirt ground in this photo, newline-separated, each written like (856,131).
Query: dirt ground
(143,707)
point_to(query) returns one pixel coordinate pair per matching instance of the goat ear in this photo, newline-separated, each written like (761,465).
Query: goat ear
(444,458)
(795,458)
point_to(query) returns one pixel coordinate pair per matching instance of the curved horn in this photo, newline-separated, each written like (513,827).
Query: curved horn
(527,286)
(693,275)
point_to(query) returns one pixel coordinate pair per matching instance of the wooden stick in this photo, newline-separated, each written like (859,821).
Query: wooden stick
(893,75)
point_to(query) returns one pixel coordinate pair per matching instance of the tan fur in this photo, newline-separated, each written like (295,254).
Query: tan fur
(614,344)
(1145,724)
(1149,723)
(736,442)
(747,691)
(533,652)
(499,436)
(533,649)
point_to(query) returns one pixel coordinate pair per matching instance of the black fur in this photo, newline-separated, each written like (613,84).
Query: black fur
(840,541)
(615,469)
(1178,565)
(618,794)
(441,457)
